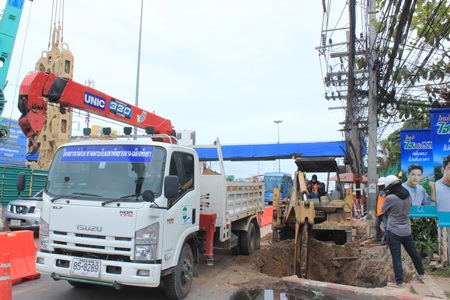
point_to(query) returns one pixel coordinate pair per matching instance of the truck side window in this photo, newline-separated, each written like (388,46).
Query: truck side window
(182,165)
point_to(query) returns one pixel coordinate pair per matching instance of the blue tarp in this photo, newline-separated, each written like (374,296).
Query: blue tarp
(274,151)
(264,151)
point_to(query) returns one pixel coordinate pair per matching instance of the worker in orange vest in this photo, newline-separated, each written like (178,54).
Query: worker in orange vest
(381,217)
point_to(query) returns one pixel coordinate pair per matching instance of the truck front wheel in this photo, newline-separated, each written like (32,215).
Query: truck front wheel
(178,284)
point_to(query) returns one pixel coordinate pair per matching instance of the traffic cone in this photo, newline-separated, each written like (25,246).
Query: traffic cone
(5,277)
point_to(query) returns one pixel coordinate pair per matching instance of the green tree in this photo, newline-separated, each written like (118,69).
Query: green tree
(413,39)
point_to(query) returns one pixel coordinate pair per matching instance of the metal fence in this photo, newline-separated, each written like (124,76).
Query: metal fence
(8,191)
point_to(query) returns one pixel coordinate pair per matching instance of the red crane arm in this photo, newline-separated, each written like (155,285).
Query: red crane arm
(67,93)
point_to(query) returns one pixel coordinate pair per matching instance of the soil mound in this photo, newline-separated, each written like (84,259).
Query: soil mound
(357,263)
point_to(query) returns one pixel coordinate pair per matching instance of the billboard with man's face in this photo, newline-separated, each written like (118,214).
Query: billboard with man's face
(417,170)
(440,131)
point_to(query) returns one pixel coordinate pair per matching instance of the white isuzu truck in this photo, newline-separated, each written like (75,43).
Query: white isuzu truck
(138,212)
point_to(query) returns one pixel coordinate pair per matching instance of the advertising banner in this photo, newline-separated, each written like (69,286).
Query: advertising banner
(13,151)
(417,170)
(440,129)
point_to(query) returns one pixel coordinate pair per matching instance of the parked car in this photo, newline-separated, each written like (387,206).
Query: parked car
(23,214)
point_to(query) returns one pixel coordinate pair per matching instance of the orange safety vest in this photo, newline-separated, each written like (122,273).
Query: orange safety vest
(315,188)
(380,202)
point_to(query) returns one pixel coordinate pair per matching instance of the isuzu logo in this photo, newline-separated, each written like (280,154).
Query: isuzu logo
(89,228)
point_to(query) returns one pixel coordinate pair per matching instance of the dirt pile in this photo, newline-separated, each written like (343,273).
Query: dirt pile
(356,264)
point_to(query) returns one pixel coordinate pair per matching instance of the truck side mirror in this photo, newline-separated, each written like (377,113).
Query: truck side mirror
(20,184)
(148,196)
(171,183)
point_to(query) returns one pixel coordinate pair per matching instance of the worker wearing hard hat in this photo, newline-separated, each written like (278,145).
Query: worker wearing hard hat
(397,205)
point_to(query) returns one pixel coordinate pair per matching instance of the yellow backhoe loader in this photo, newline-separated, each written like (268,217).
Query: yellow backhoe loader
(304,216)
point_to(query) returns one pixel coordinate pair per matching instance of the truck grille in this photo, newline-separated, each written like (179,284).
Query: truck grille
(87,245)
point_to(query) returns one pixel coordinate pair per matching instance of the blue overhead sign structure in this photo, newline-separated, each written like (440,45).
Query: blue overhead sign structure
(13,151)
(274,151)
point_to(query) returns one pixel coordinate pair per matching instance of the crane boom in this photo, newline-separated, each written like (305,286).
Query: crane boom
(38,85)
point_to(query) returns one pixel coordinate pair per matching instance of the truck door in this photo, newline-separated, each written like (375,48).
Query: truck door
(182,165)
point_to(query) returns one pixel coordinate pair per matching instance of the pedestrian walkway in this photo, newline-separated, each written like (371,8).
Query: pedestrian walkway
(429,287)
(415,290)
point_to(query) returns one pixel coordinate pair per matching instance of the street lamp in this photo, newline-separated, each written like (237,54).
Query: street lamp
(278,141)
(136,101)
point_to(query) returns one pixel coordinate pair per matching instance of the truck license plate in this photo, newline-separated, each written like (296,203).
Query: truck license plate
(85,267)
(15,222)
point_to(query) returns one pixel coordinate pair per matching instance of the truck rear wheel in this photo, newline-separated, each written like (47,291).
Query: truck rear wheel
(178,284)
(250,240)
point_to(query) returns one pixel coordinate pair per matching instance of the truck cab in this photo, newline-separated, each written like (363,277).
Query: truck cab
(140,212)
(121,213)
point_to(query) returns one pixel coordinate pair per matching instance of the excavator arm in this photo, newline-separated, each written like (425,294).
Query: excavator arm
(39,86)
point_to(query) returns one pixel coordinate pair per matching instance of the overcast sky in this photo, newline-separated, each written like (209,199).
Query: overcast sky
(225,69)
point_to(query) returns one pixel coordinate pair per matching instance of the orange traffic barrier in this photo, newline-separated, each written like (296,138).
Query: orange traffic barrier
(5,272)
(23,256)
(5,277)
(266,218)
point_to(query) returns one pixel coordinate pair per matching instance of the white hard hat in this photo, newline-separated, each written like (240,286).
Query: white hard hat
(381,181)
(391,180)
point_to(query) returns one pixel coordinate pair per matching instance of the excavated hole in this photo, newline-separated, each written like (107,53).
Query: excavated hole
(354,264)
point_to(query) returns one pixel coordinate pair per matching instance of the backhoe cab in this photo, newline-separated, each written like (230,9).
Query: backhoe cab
(302,217)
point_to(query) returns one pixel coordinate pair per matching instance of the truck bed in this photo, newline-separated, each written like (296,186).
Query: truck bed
(229,200)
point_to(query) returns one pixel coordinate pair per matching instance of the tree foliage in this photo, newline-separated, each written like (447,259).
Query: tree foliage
(414,55)
(416,79)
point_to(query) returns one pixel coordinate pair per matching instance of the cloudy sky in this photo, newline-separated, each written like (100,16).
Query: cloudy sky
(225,69)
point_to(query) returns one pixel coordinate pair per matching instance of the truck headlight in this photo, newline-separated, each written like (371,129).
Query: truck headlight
(146,243)
(44,238)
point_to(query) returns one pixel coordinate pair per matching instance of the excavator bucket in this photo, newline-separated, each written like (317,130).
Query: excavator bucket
(302,245)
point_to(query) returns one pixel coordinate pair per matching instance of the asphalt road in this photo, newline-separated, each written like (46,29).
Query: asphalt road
(45,288)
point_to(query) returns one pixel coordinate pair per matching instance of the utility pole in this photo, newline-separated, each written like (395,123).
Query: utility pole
(372,121)
(352,122)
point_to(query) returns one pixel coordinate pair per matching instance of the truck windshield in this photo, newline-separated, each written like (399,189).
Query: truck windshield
(108,171)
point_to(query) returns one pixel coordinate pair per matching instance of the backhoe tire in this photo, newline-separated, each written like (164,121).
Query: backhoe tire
(178,284)
(287,233)
(249,240)
(275,236)
(340,237)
